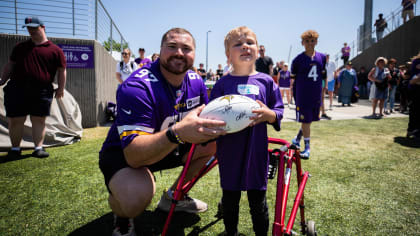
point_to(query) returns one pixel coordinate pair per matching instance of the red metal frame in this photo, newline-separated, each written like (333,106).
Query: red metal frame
(283,183)
(181,190)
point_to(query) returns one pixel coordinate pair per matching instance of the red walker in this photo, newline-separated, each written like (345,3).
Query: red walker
(286,155)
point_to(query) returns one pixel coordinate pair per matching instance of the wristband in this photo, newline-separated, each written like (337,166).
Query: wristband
(172,136)
(178,139)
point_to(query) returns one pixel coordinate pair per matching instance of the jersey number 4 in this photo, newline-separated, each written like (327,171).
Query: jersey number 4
(312,73)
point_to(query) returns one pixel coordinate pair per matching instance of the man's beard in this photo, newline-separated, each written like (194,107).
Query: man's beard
(174,70)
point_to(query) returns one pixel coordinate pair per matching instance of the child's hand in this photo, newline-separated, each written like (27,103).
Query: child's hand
(263,114)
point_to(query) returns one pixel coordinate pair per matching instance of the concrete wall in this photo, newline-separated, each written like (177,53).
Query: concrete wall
(91,88)
(401,44)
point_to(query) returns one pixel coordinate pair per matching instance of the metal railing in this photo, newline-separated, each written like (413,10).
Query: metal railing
(394,21)
(82,19)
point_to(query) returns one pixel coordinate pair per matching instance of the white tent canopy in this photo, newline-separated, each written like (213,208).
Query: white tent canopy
(63,126)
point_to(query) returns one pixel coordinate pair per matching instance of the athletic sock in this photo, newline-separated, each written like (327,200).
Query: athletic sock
(307,143)
(299,136)
(17,149)
(38,148)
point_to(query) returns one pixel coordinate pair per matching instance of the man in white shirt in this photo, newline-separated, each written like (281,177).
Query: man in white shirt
(331,74)
(125,67)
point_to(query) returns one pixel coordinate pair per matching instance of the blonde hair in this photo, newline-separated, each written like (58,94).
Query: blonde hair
(381,59)
(236,32)
(309,34)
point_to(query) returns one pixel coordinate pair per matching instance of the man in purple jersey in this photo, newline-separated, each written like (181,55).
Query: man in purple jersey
(158,108)
(308,71)
(142,60)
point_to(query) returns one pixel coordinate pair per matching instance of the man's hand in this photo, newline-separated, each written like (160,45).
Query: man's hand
(263,114)
(193,129)
(59,93)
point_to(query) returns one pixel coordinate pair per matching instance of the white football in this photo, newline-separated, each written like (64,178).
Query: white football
(233,109)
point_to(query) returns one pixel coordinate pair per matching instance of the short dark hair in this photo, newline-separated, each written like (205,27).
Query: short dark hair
(177,31)
(392,61)
(141,49)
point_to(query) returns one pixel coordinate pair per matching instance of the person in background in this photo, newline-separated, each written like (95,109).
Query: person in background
(331,75)
(408,9)
(31,69)
(155,56)
(264,63)
(380,25)
(380,76)
(283,78)
(308,71)
(392,86)
(362,79)
(413,129)
(142,60)
(125,67)
(219,72)
(346,81)
(403,81)
(202,72)
(345,53)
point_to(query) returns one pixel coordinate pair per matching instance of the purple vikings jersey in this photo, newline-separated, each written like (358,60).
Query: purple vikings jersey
(146,104)
(308,74)
(243,156)
(284,80)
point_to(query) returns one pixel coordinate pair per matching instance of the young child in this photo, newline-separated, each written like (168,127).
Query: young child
(243,156)
(308,71)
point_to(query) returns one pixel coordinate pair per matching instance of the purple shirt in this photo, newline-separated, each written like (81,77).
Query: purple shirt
(243,156)
(309,73)
(284,80)
(345,51)
(142,62)
(146,104)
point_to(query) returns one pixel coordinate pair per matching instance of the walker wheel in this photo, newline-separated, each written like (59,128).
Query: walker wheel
(311,228)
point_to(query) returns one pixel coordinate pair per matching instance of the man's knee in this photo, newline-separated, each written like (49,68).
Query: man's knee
(133,190)
(206,151)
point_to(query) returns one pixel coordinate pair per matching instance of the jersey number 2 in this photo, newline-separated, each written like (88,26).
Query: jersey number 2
(312,73)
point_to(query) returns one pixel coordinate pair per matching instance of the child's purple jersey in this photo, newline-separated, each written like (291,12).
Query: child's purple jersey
(146,104)
(308,74)
(243,156)
(284,80)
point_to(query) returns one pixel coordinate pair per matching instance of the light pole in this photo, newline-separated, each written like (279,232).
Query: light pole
(207,50)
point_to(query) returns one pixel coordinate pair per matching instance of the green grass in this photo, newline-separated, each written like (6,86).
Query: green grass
(363,183)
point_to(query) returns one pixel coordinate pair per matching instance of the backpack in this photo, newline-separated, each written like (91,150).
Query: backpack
(122,64)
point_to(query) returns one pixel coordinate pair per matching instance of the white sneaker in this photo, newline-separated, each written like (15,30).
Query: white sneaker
(188,204)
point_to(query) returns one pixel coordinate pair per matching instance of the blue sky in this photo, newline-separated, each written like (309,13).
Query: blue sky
(278,24)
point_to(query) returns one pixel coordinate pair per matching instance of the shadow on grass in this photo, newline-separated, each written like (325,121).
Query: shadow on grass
(149,223)
(408,142)
(7,158)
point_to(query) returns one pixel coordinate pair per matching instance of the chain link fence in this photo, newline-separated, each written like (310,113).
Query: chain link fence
(82,19)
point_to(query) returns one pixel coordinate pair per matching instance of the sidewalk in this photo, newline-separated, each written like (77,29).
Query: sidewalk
(358,110)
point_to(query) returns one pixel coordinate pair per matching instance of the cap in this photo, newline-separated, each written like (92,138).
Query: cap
(285,64)
(32,21)
(349,63)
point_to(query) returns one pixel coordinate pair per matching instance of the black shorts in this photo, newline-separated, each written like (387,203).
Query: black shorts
(112,159)
(28,99)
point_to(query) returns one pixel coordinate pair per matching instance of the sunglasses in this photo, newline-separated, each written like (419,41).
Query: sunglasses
(310,41)
(124,53)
